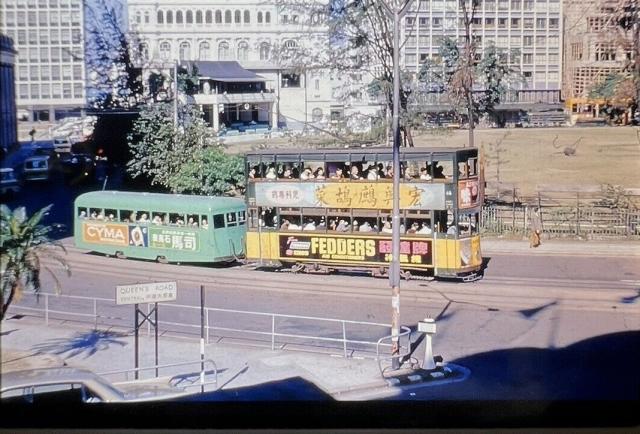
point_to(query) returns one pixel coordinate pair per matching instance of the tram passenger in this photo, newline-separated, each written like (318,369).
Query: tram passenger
(306,174)
(319,173)
(83,215)
(285,225)
(439,172)
(287,174)
(157,220)
(343,226)
(413,229)
(424,229)
(111,217)
(365,227)
(271,173)
(356,226)
(252,172)
(354,173)
(386,227)
(452,230)
(424,175)
(310,226)
(144,218)
(339,174)
(323,224)
(205,224)
(372,173)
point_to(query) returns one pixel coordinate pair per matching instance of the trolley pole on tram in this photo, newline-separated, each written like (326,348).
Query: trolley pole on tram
(397,9)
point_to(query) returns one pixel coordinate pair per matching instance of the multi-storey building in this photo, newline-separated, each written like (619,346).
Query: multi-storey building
(49,39)
(8,128)
(595,46)
(530,30)
(245,31)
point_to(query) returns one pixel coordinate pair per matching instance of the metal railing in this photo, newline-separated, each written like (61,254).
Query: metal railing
(181,377)
(272,327)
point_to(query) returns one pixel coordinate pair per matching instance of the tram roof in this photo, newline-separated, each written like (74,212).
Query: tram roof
(159,201)
(439,151)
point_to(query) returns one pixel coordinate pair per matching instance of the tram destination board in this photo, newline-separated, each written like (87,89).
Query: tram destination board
(155,292)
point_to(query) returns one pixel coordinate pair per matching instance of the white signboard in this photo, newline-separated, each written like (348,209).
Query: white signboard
(146,293)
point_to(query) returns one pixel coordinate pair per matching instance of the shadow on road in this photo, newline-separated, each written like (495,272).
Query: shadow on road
(600,368)
(87,343)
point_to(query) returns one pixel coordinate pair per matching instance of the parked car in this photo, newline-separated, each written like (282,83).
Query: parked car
(68,385)
(62,145)
(77,167)
(8,181)
(37,168)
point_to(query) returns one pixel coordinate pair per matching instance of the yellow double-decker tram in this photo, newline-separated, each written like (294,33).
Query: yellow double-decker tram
(328,210)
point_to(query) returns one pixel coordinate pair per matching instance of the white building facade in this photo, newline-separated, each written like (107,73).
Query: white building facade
(531,28)
(48,36)
(244,31)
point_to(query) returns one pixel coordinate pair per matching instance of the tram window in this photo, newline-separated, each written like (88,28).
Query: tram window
(473,166)
(364,224)
(440,221)
(96,213)
(242,217)
(253,171)
(313,219)
(111,214)
(467,224)
(176,219)
(232,219)
(254,221)
(193,220)
(204,222)
(218,221)
(127,215)
(82,213)
(268,217)
(443,169)
(463,170)
(143,217)
(336,171)
(290,219)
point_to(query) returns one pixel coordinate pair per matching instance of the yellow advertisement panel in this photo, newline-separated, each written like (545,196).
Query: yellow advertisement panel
(106,233)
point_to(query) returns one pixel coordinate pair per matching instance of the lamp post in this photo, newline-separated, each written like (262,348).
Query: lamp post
(397,9)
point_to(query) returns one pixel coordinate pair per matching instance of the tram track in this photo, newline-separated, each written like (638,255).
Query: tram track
(492,293)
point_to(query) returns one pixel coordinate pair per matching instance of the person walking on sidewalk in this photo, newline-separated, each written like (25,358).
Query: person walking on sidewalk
(536,228)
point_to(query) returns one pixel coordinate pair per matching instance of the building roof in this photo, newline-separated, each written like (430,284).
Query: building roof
(230,71)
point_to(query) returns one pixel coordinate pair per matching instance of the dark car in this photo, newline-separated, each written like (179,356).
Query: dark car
(77,168)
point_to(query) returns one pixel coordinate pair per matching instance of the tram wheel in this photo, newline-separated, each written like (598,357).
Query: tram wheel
(162,260)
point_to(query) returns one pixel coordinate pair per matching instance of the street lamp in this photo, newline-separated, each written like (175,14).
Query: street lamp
(397,9)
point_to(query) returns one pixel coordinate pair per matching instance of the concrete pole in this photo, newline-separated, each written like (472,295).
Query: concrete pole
(175,96)
(394,275)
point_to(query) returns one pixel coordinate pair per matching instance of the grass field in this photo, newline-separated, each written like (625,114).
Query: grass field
(533,159)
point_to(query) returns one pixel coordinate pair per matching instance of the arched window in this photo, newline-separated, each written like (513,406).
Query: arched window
(198,17)
(165,50)
(264,51)
(316,114)
(160,17)
(169,17)
(189,17)
(204,51)
(238,17)
(209,17)
(223,51)
(139,17)
(243,51)
(185,51)
(247,17)
(267,17)
(227,17)
(259,17)
(146,17)
(179,17)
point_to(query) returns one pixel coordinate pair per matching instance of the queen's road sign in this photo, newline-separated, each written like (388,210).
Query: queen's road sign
(155,292)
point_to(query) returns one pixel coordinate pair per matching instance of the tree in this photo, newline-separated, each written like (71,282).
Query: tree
(184,159)
(24,242)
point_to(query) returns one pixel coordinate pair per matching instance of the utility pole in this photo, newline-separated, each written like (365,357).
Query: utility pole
(175,95)
(397,9)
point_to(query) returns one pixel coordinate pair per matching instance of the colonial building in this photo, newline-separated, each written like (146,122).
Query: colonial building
(49,38)
(247,32)
(8,127)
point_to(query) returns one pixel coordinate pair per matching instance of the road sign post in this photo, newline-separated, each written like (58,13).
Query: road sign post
(138,293)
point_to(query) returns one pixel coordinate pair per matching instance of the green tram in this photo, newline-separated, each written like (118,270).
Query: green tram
(162,227)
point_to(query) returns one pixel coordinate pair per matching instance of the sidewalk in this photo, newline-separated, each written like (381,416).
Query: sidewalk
(28,343)
(495,245)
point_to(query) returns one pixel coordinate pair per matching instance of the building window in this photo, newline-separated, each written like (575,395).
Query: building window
(527,41)
(189,17)
(541,23)
(515,23)
(198,17)
(316,115)
(165,50)
(290,43)
(179,17)
(267,17)
(264,51)
(218,17)
(527,59)
(144,51)
(223,51)
(146,17)
(204,52)
(169,17)
(227,17)
(77,72)
(259,17)
(160,17)
(208,17)
(237,17)
(317,84)
(185,51)
(290,80)
(139,17)
(243,51)
(605,52)
(247,17)
(553,23)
